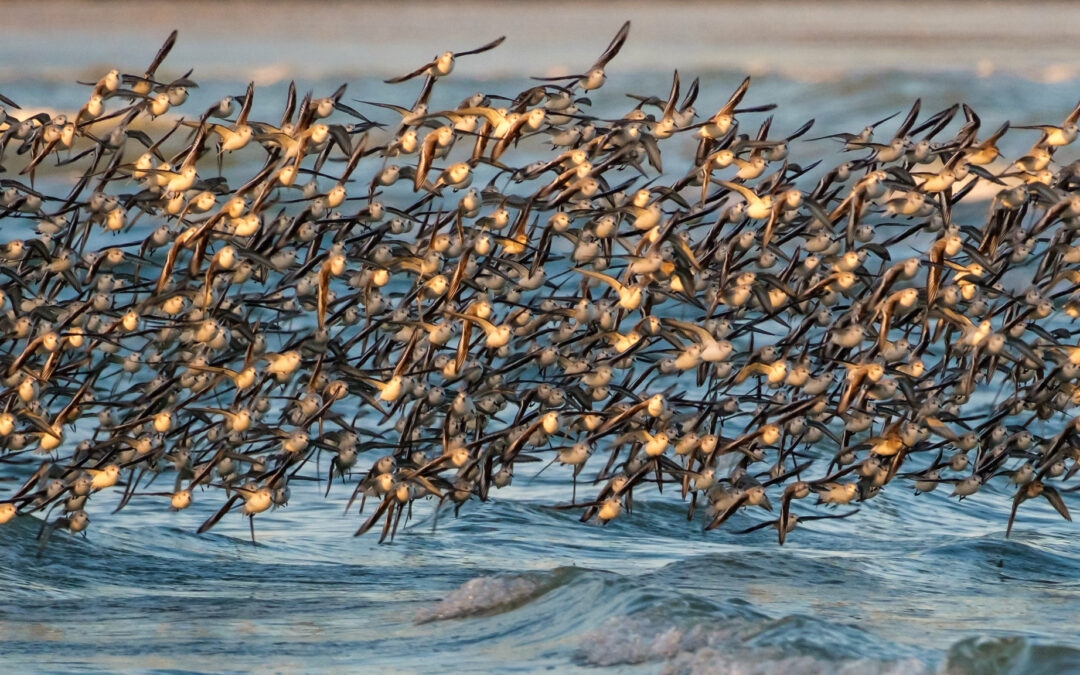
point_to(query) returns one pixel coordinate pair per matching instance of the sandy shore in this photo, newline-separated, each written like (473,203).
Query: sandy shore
(288,39)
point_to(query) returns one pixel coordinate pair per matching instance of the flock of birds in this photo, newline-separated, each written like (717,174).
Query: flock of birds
(740,328)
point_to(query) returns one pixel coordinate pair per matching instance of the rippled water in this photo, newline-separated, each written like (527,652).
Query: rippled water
(908,585)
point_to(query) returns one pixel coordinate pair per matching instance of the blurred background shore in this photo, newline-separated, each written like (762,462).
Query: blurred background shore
(801,40)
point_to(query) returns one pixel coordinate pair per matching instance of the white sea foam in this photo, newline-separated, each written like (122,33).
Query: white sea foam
(480,596)
(702,650)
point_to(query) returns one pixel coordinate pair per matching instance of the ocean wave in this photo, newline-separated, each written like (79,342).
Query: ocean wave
(704,649)
(485,595)
(979,656)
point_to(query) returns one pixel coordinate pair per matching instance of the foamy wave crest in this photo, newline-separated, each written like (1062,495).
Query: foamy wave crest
(702,650)
(483,595)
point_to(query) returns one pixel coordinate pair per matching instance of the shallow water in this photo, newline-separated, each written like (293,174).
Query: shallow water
(908,585)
